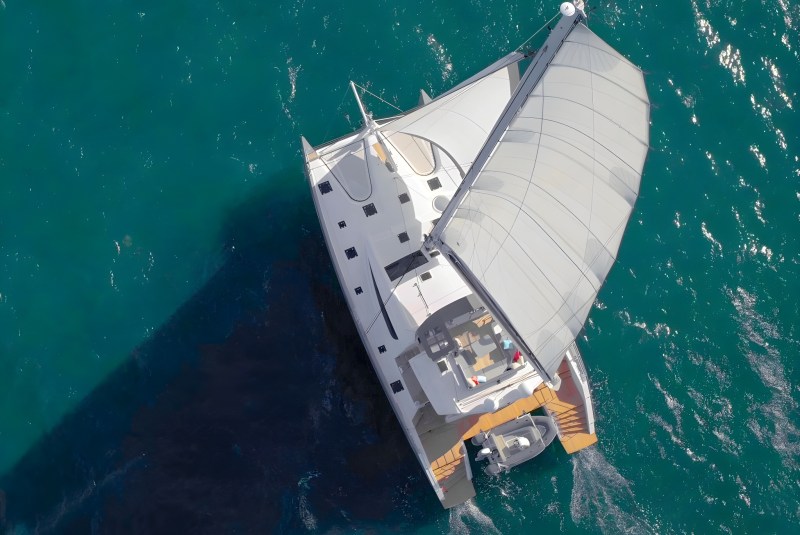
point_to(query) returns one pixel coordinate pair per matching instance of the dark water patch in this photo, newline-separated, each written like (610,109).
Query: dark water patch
(254,408)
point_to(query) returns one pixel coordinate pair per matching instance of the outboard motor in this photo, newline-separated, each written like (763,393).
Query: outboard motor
(478,439)
(493,469)
(483,454)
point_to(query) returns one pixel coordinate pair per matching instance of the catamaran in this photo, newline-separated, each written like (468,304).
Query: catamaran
(470,237)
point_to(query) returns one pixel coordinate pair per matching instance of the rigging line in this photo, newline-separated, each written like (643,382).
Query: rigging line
(540,83)
(527,84)
(546,24)
(365,90)
(338,109)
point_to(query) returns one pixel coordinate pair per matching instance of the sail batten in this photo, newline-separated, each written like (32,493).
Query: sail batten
(538,222)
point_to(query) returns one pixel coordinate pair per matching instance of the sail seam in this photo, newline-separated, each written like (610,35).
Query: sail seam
(617,156)
(555,289)
(582,272)
(549,236)
(535,160)
(606,78)
(594,140)
(585,302)
(590,45)
(531,214)
(579,149)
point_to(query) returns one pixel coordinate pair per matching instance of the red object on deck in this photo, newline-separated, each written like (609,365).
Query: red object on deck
(517,356)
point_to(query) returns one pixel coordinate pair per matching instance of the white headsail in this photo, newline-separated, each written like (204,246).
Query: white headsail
(539,220)
(459,121)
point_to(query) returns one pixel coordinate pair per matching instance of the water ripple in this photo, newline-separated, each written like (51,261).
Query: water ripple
(758,337)
(777,81)
(729,57)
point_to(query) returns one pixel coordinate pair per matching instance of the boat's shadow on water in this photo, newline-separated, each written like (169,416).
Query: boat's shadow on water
(254,408)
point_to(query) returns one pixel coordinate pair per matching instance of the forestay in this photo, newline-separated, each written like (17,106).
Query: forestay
(459,121)
(541,225)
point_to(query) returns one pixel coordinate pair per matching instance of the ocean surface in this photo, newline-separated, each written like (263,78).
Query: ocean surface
(175,352)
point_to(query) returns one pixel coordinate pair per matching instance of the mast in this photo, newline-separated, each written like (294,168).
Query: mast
(529,81)
(571,17)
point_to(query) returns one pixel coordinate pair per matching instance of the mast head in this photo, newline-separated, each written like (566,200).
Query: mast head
(568,9)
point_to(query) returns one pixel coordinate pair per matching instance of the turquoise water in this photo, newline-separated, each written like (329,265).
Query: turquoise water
(174,350)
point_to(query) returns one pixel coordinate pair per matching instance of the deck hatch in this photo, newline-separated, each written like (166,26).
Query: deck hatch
(342,224)
(370,209)
(351,253)
(325,187)
(404,198)
(359,291)
(434,183)
(381,349)
(426,276)
(400,267)
(397,386)
(403,237)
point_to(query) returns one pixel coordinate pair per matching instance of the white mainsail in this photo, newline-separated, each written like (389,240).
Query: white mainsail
(459,121)
(540,218)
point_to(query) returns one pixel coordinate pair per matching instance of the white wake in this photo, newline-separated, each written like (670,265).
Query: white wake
(468,518)
(603,497)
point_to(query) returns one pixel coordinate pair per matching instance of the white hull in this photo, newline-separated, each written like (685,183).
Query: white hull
(431,434)
(471,235)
